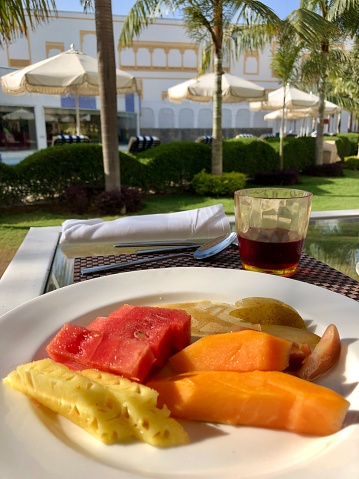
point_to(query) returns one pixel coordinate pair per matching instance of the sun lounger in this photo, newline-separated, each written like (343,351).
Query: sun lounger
(69,139)
(137,144)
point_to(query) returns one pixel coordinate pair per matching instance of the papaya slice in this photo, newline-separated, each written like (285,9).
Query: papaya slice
(267,399)
(246,350)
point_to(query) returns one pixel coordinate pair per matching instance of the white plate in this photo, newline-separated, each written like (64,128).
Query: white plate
(35,445)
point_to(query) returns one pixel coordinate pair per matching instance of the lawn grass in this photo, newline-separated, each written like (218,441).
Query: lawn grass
(328,194)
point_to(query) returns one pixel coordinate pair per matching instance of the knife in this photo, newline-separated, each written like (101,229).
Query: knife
(164,250)
(155,243)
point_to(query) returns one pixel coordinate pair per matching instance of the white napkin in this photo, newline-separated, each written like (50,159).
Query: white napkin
(200,223)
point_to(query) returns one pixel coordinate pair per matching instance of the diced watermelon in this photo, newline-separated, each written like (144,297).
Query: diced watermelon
(165,330)
(129,342)
(79,348)
(73,343)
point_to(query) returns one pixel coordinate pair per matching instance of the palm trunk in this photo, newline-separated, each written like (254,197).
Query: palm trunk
(108,95)
(217,144)
(320,125)
(281,132)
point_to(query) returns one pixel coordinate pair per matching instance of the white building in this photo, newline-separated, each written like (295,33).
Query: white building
(161,57)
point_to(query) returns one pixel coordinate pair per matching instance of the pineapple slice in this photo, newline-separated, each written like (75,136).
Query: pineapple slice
(149,423)
(103,411)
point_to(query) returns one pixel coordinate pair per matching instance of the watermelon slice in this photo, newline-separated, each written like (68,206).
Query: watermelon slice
(79,348)
(130,341)
(165,330)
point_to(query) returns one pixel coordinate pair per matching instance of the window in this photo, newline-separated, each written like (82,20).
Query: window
(17,128)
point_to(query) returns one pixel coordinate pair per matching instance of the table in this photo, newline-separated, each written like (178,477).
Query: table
(42,265)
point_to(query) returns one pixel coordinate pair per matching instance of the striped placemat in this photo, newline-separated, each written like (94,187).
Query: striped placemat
(309,270)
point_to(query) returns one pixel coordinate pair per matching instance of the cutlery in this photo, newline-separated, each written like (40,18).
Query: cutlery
(154,243)
(164,250)
(206,250)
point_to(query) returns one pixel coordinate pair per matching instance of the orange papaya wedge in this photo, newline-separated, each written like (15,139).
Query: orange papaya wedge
(246,350)
(267,399)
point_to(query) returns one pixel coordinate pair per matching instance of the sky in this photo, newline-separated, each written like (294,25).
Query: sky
(121,7)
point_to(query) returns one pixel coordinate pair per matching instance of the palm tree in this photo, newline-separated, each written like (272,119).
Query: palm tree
(324,58)
(16,16)
(107,86)
(347,85)
(216,25)
(285,66)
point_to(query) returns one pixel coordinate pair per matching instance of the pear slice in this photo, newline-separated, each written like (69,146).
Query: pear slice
(261,310)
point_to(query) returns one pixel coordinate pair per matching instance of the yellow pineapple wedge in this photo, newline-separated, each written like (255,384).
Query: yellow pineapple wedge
(111,408)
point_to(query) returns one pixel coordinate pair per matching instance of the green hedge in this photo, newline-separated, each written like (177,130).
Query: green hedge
(351,144)
(351,163)
(297,152)
(206,184)
(173,165)
(248,156)
(46,174)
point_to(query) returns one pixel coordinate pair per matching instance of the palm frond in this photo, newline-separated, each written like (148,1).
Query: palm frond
(312,27)
(16,17)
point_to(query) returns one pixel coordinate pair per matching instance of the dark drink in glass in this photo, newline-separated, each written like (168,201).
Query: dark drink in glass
(275,257)
(271,226)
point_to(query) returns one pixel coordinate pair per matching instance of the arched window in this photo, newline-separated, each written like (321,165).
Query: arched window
(205,118)
(147,118)
(185,118)
(166,118)
(226,118)
(243,118)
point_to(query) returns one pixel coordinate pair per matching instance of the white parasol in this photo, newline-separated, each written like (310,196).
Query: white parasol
(20,114)
(288,97)
(71,72)
(202,89)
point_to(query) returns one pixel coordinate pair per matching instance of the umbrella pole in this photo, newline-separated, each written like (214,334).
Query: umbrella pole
(77,114)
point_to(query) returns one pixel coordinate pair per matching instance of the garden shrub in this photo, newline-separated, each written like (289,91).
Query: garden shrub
(329,169)
(285,177)
(353,139)
(172,166)
(80,199)
(111,203)
(11,192)
(351,163)
(344,146)
(248,156)
(297,152)
(225,185)
(47,173)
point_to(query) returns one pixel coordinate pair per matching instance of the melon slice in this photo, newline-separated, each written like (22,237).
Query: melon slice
(246,350)
(268,399)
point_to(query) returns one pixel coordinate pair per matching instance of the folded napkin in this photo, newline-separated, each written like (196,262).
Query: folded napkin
(200,223)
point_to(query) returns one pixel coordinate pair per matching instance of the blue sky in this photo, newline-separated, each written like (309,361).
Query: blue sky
(121,7)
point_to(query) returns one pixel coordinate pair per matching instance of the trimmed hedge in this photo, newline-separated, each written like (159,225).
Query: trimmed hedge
(46,174)
(49,173)
(351,148)
(248,156)
(173,165)
(351,163)
(206,184)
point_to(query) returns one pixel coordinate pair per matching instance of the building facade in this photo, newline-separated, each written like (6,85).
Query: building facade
(161,57)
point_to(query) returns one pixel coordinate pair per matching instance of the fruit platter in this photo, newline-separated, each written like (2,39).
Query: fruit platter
(77,396)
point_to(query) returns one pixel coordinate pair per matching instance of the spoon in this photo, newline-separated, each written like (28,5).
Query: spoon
(206,250)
